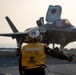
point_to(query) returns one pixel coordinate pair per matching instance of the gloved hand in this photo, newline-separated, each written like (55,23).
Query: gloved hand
(70,58)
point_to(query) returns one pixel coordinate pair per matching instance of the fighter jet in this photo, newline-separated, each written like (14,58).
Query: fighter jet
(54,31)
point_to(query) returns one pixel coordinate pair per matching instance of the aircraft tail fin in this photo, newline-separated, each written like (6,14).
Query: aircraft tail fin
(14,29)
(40,22)
(53,13)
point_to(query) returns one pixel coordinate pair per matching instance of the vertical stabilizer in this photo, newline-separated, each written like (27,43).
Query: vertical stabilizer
(53,13)
(14,29)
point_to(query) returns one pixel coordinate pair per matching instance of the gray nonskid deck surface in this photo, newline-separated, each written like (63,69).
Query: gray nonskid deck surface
(62,69)
(9,66)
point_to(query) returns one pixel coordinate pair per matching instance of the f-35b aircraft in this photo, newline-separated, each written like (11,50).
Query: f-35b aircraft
(55,31)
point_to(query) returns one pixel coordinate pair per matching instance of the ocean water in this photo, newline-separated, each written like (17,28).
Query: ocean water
(7,49)
(8,61)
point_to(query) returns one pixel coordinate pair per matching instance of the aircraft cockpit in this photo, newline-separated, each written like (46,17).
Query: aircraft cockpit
(62,23)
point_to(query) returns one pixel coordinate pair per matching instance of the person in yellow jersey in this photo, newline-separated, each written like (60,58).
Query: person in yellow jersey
(33,55)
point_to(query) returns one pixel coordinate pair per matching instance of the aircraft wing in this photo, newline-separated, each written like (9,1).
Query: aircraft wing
(14,35)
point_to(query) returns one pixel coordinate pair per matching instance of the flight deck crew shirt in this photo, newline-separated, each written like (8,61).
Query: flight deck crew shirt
(33,55)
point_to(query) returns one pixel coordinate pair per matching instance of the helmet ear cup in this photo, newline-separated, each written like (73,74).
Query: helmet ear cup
(39,38)
(28,39)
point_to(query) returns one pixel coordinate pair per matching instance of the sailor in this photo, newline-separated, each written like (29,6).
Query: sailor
(33,55)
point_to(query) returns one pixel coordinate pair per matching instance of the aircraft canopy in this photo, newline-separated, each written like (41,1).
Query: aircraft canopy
(62,23)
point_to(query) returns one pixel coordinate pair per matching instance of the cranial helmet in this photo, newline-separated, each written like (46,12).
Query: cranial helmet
(34,36)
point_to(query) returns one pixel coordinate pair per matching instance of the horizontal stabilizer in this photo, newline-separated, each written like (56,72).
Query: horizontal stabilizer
(14,29)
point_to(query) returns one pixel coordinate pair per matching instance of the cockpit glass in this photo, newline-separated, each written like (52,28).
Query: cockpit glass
(66,21)
(62,23)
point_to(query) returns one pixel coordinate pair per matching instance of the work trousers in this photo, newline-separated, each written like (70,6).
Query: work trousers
(35,71)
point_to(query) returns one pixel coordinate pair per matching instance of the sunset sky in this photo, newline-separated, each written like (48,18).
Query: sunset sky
(24,14)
